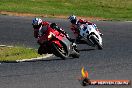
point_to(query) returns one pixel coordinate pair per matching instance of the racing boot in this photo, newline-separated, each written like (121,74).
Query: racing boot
(40,51)
(78,39)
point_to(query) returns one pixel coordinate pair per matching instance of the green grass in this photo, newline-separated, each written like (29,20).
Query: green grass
(113,9)
(17,53)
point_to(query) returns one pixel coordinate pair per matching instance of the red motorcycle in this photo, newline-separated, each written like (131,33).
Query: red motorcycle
(54,42)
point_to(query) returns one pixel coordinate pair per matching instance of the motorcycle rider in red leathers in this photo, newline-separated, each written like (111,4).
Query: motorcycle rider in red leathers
(40,27)
(75,25)
(37,24)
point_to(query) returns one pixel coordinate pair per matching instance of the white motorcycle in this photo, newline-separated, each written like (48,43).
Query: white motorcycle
(91,36)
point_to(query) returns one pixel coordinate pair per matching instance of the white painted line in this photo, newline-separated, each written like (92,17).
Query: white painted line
(5,46)
(31,59)
(10,46)
(2,45)
(128,21)
(34,59)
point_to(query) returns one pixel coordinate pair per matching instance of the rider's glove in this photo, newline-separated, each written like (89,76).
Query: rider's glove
(66,35)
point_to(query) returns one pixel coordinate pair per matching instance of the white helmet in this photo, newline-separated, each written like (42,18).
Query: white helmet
(73,19)
(36,22)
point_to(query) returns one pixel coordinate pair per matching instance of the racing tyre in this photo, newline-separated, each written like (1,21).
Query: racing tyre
(60,52)
(96,42)
(75,53)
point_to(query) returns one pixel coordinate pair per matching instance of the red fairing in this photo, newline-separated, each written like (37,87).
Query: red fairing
(45,38)
(57,34)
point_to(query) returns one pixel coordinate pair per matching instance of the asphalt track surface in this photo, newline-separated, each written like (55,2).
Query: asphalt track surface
(113,62)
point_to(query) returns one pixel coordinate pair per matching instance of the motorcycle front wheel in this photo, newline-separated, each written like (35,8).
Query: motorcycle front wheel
(60,52)
(96,42)
(75,53)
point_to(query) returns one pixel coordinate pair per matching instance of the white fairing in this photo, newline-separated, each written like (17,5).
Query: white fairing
(86,30)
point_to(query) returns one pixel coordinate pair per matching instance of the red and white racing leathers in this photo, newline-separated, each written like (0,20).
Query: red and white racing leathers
(75,27)
(36,31)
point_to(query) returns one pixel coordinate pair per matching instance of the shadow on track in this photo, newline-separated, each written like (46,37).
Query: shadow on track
(86,50)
